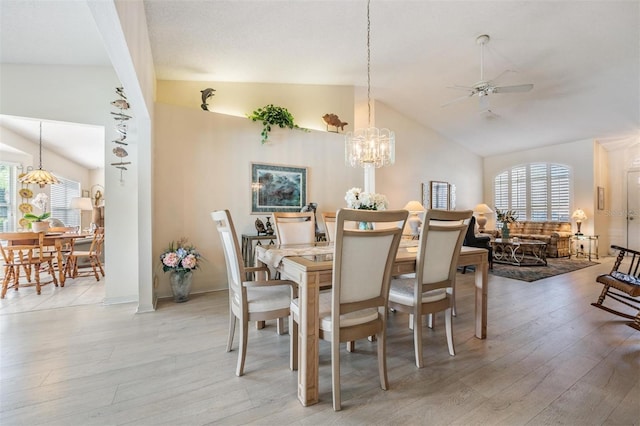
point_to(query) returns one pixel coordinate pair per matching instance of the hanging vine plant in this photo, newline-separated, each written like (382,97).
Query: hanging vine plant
(271,115)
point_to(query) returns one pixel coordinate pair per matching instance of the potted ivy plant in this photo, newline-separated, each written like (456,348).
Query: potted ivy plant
(271,115)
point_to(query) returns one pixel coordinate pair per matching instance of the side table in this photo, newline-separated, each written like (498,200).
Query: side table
(248,245)
(583,245)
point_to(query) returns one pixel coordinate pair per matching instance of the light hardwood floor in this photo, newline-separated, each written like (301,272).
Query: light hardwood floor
(550,358)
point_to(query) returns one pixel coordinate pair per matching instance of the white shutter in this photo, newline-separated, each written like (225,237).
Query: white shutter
(501,191)
(519,191)
(536,191)
(560,183)
(538,200)
(60,199)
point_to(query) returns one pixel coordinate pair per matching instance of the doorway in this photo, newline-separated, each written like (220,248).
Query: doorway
(633,210)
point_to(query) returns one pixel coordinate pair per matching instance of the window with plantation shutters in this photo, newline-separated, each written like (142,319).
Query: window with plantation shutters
(60,200)
(536,191)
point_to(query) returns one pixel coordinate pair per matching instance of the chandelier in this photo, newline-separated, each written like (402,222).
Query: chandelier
(370,147)
(39,177)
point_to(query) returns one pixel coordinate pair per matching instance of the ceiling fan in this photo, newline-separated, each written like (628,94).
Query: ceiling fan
(484,88)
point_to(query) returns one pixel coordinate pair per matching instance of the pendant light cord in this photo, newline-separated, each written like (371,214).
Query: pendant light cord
(369,63)
(40,145)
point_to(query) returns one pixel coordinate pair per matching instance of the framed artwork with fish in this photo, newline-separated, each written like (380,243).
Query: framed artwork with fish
(276,188)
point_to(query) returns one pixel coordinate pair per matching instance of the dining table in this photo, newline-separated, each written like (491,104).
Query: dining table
(310,267)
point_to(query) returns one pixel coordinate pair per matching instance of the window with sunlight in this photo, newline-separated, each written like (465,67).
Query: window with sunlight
(536,191)
(61,195)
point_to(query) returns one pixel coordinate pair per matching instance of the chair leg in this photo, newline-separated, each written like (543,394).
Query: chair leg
(232,329)
(8,273)
(449,329)
(280,326)
(242,350)
(293,344)
(417,339)
(335,372)
(382,359)
(37,278)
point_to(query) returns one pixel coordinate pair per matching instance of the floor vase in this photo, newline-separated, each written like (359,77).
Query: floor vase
(181,285)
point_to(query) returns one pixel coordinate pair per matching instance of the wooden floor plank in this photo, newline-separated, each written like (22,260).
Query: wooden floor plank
(550,357)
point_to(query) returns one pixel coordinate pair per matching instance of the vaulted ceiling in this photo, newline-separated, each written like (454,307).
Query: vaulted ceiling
(582,57)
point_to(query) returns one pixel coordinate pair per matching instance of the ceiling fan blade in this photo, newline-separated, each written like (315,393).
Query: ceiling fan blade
(502,74)
(457,100)
(513,89)
(457,87)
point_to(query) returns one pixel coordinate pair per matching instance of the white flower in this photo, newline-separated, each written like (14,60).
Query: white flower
(356,199)
(40,201)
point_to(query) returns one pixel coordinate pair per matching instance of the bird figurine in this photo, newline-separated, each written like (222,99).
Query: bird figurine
(260,227)
(206,94)
(334,120)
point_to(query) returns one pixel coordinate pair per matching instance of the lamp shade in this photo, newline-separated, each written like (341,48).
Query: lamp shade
(579,215)
(82,203)
(482,209)
(414,206)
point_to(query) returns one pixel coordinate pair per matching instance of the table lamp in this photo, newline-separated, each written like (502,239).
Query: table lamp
(481,210)
(414,221)
(83,204)
(579,216)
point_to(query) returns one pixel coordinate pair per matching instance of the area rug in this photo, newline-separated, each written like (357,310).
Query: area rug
(533,273)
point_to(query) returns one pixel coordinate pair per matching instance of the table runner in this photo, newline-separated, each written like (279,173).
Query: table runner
(273,256)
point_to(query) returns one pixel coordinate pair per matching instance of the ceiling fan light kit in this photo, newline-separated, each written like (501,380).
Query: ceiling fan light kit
(483,88)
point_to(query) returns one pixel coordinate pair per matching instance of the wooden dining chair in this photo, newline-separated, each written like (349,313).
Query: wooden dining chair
(357,304)
(432,289)
(295,227)
(25,250)
(77,258)
(329,219)
(259,300)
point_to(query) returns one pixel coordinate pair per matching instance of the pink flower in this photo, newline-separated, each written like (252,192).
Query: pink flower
(189,262)
(171,260)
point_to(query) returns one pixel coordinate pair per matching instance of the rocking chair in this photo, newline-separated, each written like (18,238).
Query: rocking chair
(618,281)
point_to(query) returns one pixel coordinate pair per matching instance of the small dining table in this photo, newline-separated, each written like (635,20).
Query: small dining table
(310,269)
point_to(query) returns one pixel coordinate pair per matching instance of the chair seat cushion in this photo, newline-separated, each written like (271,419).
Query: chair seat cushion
(346,320)
(623,282)
(268,298)
(401,292)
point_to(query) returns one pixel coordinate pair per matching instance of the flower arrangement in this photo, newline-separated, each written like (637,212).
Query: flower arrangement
(40,202)
(180,257)
(506,216)
(356,199)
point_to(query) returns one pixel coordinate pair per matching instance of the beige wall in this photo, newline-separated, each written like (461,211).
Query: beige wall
(202,163)
(307,103)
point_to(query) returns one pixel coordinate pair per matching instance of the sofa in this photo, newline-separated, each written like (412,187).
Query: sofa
(555,234)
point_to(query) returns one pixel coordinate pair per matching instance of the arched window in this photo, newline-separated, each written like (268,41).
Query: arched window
(536,191)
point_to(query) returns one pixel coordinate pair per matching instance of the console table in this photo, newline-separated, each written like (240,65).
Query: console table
(250,241)
(577,246)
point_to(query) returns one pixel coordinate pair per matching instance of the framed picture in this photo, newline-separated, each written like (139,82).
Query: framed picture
(277,188)
(85,193)
(438,195)
(600,198)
